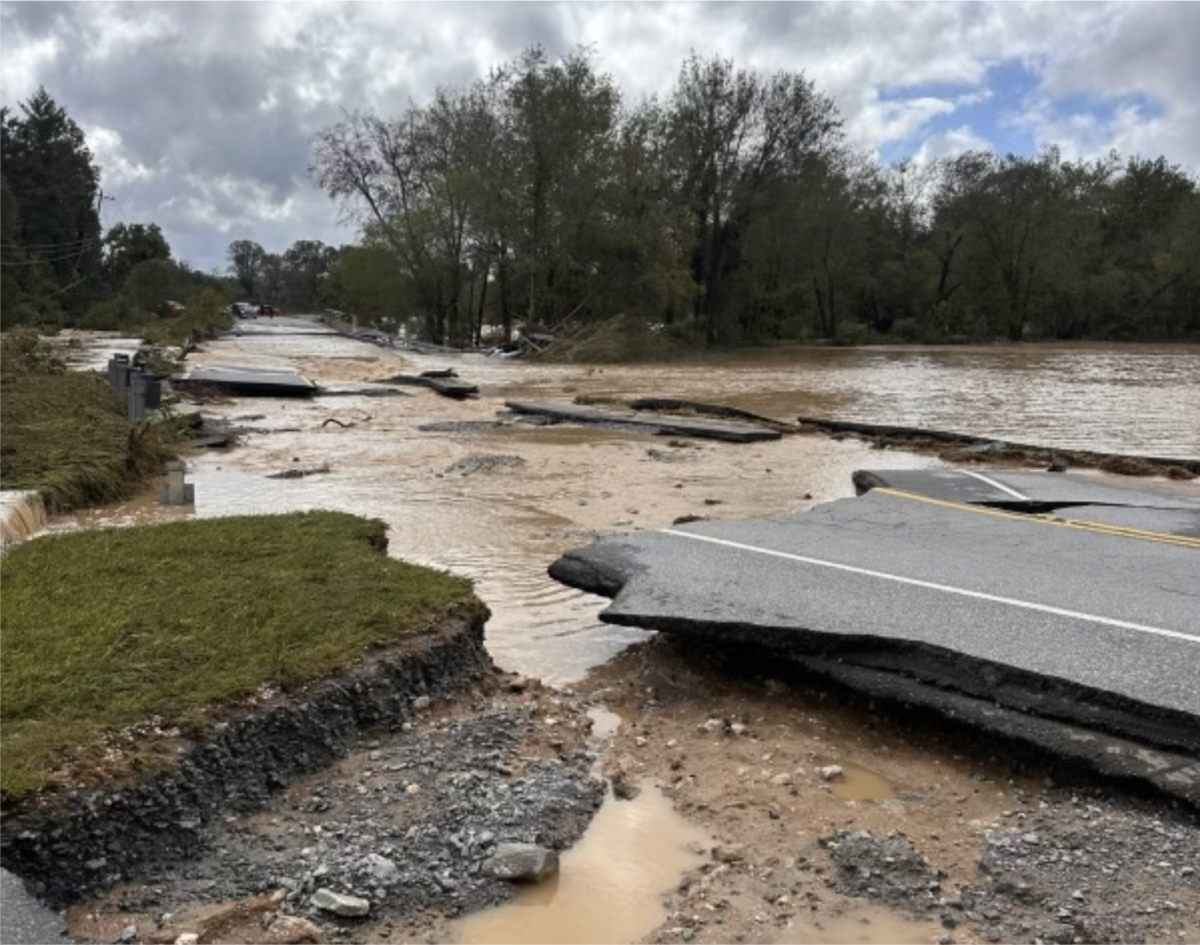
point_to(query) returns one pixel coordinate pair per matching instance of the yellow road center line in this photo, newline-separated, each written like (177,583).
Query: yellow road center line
(1117,530)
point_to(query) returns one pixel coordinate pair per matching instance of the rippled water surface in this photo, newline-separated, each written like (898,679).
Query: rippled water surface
(1133,399)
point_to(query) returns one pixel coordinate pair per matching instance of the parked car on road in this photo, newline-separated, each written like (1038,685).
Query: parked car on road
(268,310)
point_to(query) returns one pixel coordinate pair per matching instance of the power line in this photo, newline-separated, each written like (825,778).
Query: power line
(17,263)
(64,244)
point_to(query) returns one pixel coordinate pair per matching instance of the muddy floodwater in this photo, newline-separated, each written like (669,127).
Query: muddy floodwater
(466,488)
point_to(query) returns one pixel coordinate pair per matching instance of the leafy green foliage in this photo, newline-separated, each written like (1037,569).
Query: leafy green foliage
(127,246)
(105,629)
(292,280)
(51,231)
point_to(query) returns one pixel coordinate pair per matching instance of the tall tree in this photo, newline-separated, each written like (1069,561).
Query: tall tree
(1007,206)
(246,259)
(305,264)
(127,244)
(368,281)
(563,119)
(55,186)
(734,135)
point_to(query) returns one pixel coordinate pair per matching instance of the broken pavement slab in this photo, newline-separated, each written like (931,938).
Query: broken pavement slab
(243,381)
(445,383)
(968,443)
(1088,627)
(1167,507)
(727,430)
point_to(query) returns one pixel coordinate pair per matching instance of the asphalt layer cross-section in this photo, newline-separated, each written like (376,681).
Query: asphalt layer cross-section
(1083,623)
(1172,507)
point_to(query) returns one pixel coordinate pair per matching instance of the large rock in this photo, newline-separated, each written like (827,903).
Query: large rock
(292,930)
(520,861)
(339,904)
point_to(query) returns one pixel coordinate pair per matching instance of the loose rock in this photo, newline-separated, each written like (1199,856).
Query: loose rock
(520,862)
(340,904)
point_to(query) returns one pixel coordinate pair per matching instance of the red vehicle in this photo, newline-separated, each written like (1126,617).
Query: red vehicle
(268,310)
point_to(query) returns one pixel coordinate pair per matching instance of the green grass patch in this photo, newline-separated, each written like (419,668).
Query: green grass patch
(66,434)
(107,629)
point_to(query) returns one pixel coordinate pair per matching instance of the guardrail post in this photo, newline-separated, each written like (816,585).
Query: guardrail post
(118,372)
(137,396)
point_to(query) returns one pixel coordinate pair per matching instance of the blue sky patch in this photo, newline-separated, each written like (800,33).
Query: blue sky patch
(993,110)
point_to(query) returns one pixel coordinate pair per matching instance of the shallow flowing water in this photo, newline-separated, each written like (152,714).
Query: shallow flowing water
(503,526)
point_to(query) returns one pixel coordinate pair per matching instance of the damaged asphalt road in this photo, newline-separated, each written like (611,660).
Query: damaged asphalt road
(1089,628)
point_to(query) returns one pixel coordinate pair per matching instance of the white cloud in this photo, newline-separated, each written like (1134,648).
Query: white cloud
(117,167)
(201,112)
(948,144)
(22,68)
(882,122)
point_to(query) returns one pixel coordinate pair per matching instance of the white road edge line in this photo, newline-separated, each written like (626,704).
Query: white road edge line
(949,589)
(997,485)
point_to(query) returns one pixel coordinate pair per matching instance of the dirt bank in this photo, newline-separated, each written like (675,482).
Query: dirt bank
(958,837)
(833,820)
(403,819)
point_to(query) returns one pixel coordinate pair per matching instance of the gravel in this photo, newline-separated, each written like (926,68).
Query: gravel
(403,822)
(1069,868)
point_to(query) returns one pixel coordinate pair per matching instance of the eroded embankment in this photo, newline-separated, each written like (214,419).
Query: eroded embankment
(1068,723)
(88,839)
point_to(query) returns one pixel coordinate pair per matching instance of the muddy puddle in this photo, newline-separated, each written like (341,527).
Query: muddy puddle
(610,885)
(870,925)
(862,784)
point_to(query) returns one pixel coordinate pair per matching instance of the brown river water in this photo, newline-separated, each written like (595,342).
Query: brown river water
(561,486)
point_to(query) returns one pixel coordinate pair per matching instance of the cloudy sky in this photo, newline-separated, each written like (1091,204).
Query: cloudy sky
(200,114)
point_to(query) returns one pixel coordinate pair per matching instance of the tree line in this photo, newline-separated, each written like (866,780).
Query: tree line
(733,211)
(60,266)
